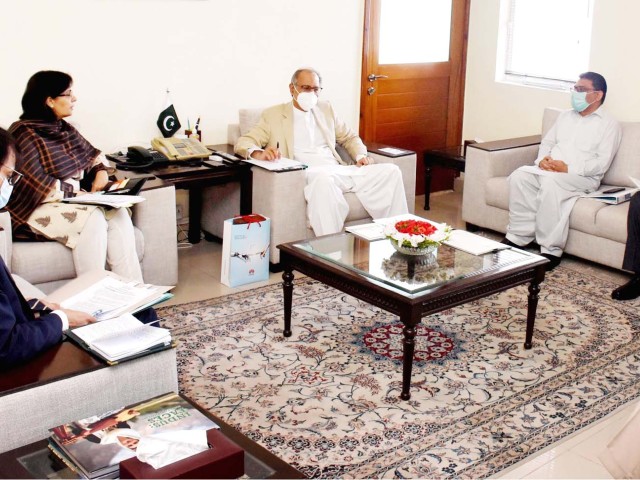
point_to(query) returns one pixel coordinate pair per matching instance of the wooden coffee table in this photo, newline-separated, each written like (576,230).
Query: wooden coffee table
(408,286)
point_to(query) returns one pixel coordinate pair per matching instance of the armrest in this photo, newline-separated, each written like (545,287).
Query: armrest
(407,165)
(482,164)
(6,243)
(280,196)
(156,218)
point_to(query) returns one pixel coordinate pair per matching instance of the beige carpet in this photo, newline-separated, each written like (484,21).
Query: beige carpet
(327,401)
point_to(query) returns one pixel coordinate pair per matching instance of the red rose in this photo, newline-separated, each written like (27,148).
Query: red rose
(415,227)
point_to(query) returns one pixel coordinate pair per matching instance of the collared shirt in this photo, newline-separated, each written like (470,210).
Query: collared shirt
(586,144)
(309,145)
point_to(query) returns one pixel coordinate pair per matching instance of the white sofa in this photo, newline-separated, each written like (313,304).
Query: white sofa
(597,231)
(280,196)
(27,413)
(48,265)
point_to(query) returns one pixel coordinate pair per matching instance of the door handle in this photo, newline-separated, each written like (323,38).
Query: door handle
(373,77)
(370,91)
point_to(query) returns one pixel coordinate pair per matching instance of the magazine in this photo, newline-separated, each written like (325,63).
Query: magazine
(96,445)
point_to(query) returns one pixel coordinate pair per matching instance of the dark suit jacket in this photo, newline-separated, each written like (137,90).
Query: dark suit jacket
(22,336)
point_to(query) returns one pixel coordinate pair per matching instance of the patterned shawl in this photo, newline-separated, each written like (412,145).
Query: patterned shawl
(49,151)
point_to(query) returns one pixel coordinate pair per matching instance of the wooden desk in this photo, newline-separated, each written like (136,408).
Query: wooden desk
(59,362)
(195,178)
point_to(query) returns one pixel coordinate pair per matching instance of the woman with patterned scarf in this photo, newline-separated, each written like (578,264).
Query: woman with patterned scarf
(58,162)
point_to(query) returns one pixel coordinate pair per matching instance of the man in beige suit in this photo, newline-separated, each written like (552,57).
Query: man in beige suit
(308,130)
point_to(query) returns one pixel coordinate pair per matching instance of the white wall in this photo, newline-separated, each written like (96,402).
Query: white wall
(496,110)
(215,56)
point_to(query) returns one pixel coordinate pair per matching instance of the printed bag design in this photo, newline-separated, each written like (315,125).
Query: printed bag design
(245,250)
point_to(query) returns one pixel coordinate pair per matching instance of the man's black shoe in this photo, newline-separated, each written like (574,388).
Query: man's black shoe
(506,241)
(553,261)
(629,290)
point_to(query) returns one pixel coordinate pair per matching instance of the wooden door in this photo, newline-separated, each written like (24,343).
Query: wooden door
(416,105)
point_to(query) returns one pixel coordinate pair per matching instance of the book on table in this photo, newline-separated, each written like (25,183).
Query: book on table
(95,446)
(124,337)
(111,299)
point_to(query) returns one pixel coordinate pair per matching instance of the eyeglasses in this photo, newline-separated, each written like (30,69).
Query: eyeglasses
(13,178)
(579,89)
(66,94)
(309,88)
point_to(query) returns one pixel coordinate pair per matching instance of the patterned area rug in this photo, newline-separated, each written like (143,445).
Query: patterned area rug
(328,403)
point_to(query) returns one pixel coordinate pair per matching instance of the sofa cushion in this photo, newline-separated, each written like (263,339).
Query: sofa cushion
(497,193)
(248,118)
(600,219)
(627,161)
(356,210)
(42,262)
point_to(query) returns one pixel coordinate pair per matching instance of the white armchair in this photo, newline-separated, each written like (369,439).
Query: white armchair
(280,195)
(48,265)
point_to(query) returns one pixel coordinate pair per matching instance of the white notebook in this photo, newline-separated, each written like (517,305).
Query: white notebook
(472,243)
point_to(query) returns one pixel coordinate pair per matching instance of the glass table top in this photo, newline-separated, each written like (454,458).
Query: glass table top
(379,261)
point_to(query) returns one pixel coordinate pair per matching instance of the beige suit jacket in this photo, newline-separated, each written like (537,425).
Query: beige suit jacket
(276,128)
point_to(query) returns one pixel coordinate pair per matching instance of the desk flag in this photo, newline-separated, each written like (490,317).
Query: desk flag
(168,122)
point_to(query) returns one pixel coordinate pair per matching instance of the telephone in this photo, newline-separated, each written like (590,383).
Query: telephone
(180,148)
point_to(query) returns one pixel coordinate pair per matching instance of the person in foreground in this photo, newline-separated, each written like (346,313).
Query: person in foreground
(57,162)
(573,158)
(25,329)
(308,130)
(631,262)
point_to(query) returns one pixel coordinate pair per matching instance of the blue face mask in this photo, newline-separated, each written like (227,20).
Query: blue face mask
(5,193)
(579,101)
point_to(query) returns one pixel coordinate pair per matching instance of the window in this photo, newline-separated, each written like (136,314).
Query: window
(420,37)
(544,42)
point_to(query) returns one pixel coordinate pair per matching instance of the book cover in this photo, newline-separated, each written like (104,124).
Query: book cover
(97,444)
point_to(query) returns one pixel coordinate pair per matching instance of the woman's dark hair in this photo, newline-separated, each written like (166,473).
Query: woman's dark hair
(7,145)
(41,86)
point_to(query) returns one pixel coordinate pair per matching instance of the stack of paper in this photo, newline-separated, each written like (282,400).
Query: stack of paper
(121,337)
(368,231)
(99,198)
(473,244)
(106,295)
(280,165)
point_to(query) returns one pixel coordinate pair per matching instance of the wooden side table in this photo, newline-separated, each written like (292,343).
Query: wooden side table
(449,157)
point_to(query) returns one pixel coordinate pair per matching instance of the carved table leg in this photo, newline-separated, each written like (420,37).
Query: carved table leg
(287,290)
(408,349)
(534,289)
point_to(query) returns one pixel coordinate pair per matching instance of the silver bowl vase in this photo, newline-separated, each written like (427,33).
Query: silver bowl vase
(417,251)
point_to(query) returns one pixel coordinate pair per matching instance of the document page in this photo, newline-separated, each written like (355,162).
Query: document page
(108,298)
(277,165)
(473,244)
(115,201)
(121,337)
(368,231)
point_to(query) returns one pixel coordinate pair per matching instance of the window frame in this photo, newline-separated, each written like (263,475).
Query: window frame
(505,35)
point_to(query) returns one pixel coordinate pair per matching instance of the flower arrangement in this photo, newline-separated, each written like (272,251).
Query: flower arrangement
(416,236)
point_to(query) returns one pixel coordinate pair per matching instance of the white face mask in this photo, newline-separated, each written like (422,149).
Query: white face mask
(5,193)
(306,100)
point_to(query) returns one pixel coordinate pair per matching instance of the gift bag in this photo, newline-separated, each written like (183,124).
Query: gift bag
(245,250)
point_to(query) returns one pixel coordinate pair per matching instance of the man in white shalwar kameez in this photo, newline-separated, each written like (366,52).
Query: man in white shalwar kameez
(308,130)
(573,157)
